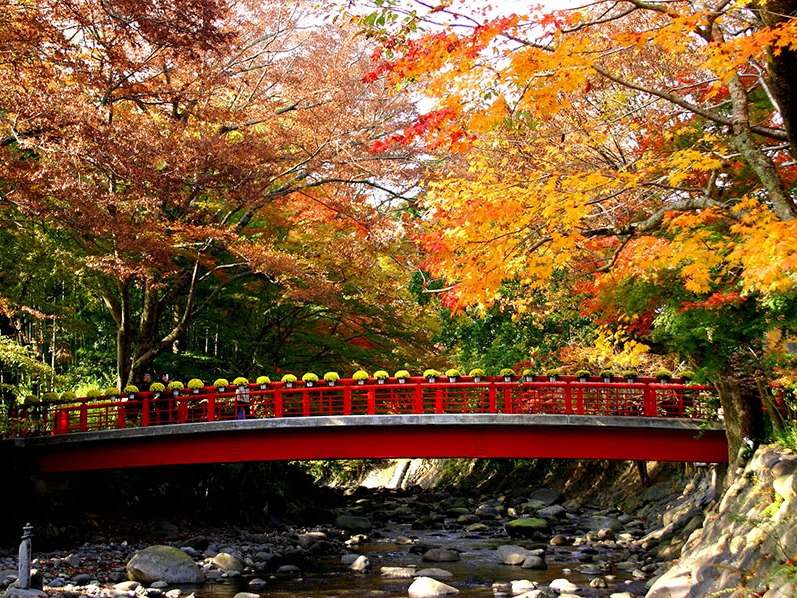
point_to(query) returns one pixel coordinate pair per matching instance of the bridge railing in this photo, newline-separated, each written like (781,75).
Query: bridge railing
(644,397)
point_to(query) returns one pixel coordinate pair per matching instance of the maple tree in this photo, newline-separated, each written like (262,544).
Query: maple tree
(633,144)
(170,151)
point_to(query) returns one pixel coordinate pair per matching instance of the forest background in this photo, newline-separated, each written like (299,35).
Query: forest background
(203,188)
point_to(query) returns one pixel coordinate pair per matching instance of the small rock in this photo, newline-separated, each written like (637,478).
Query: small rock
(360,564)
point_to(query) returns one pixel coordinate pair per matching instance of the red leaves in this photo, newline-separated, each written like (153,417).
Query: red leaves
(716,300)
(426,123)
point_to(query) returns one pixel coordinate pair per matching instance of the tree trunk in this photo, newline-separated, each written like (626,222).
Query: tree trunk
(744,416)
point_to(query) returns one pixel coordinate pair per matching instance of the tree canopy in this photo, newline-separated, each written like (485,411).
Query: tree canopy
(646,149)
(171,152)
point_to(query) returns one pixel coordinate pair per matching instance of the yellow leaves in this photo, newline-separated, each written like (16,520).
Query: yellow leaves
(617,346)
(683,163)
(767,251)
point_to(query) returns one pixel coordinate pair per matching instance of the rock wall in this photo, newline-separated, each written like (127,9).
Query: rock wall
(747,545)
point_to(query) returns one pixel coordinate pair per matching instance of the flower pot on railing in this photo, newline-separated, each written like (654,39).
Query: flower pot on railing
(452,374)
(664,376)
(607,375)
(360,376)
(402,376)
(583,375)
(476,374)
(381,376)
(631,376)
(289,380)
(507,374)
(528,376)
(221,384)
(553,375)
(130,391)
(431,375)
(263,382)
(331,378)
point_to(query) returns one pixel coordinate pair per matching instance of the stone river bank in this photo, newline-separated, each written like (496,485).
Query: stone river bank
(691,543)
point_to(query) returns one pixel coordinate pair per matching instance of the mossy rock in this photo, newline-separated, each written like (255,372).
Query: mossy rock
(526,527)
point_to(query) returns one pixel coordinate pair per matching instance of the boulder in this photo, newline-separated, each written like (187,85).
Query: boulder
(526,527)
(509,554)
(163,563)
(434,573)
(360,564)
(546,496)
(353,523)
(228,562)
(440,555)
(424,587)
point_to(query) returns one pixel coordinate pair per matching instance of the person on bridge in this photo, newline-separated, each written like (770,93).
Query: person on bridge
(242,401)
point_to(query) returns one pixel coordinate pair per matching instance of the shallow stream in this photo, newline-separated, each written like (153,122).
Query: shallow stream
(473,575)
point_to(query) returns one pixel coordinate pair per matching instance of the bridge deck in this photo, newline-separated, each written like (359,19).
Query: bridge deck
(492,418)
(384,436)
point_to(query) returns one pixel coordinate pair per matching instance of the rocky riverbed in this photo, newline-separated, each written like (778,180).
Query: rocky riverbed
(536,544)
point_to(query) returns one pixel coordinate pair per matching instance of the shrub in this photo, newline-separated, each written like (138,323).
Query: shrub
(381,375)
(309,377)
(175,385)
(240,381)
(476,373)
(507,372)
(360,375)
(157,387)
(402,374)
(289,378)
(453,373)
(221,383)
(431,373)
(263,380)
(331,377)
(195,384)
(130,389)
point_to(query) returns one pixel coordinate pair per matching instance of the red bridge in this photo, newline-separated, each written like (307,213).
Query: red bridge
(526,418)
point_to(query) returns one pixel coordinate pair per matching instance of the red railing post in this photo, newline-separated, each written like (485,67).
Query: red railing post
(212,405)
(145,407)
(417,399)
(347,399)
(83,426)
(492,398)
(305,402)
(279,404)
(649,398)
(438,399)
(371,401)
(579,399)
